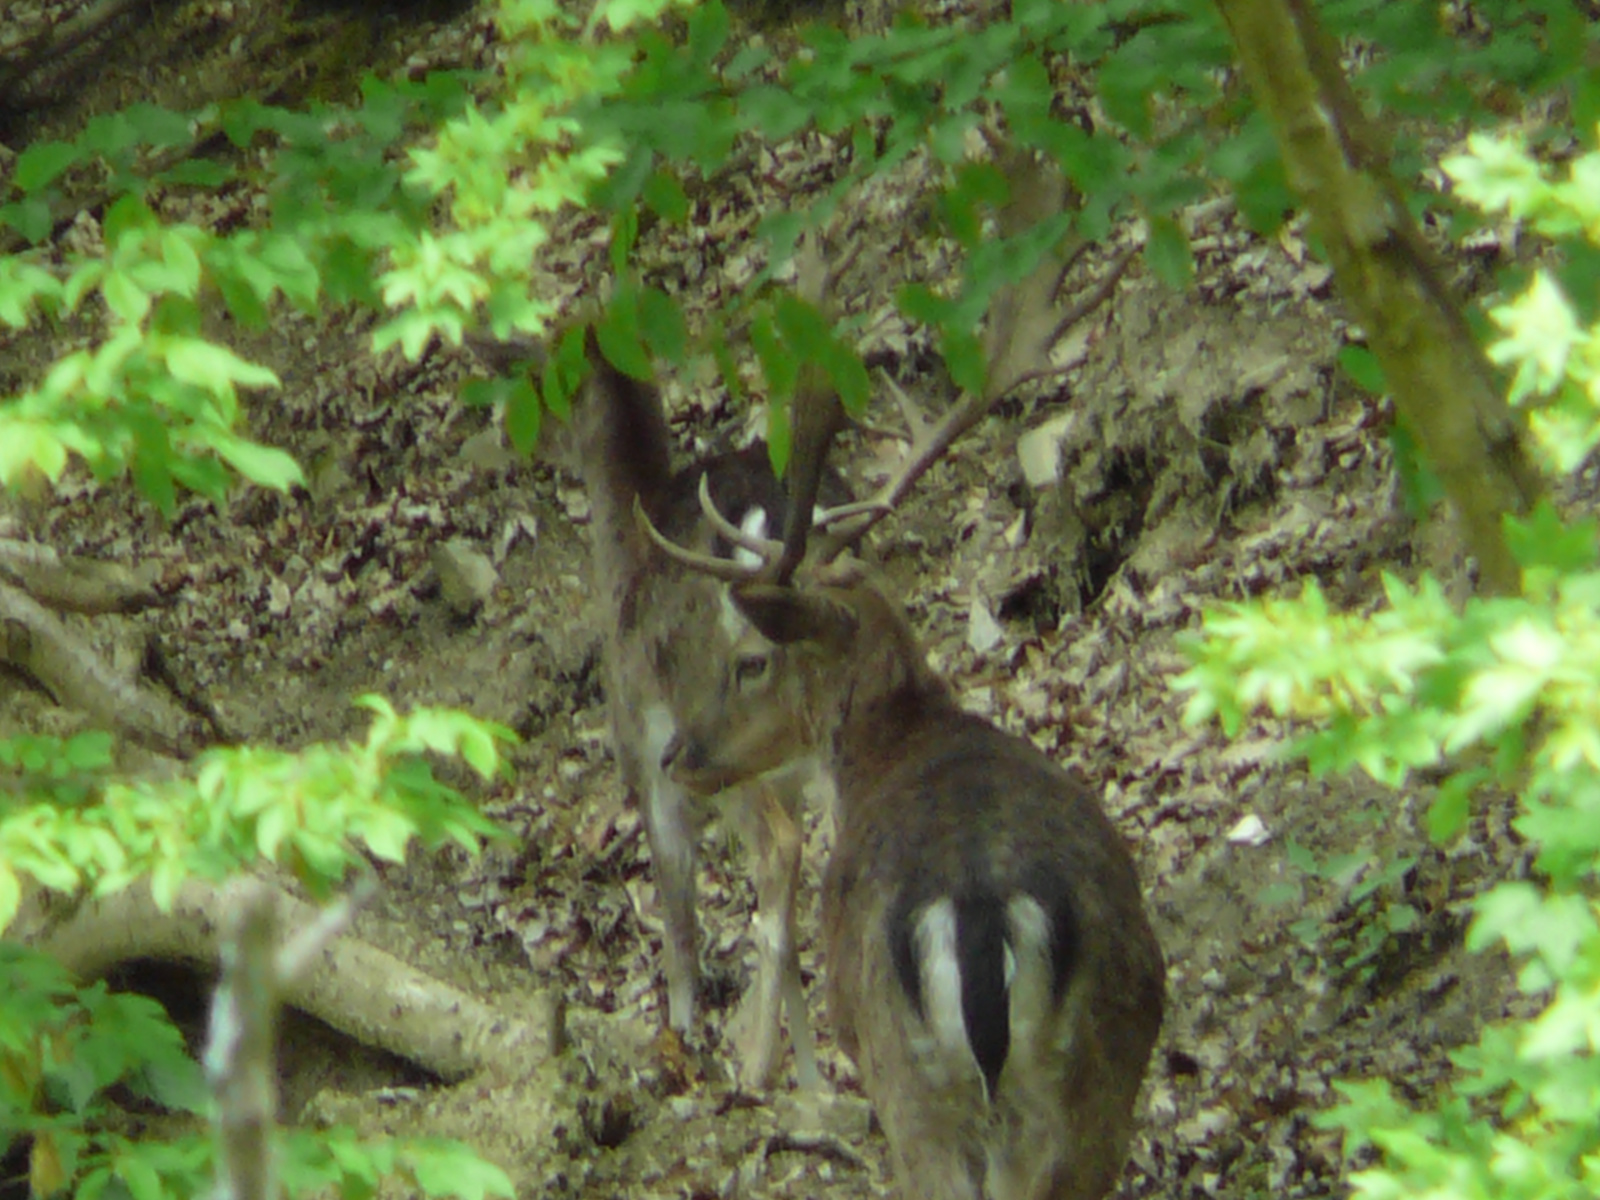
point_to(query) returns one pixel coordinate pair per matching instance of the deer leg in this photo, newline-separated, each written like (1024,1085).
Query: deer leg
(773,838)
(670,827)
(788,846)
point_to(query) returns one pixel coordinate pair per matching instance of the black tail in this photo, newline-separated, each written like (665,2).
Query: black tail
(985,991)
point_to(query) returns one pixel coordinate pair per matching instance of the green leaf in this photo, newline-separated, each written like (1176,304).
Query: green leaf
(777,364)
(140,1178)
(620,338)
(1364,370)
(709,25)
(450,1169)
(666,197)
(30,216)
(1447,815)
(664,329)
(727,368)
(41,163)
(849,377)
(524,414)
(750,58)
(1543,539)
(619,190)
(920,305)
(387,834)
(89,751)
(802,326)
(152,469)
(1420,486)
(780,439)
(128,216)
(196,172)
(1167,252)
(624,233)
(158,126)
(1249,160)
(10,895)
(262,465)
(1276,895)
(204,476)
(566,370)
(485,393)
(773,112)
(1401,918)
(964,359)
(214,367)
(126,299)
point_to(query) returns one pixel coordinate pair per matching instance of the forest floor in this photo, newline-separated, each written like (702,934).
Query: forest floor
(1210,452)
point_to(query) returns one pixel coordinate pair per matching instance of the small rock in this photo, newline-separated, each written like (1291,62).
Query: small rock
(1039,450)
(983,631)
(466,577)
(487,451)
(1250,830)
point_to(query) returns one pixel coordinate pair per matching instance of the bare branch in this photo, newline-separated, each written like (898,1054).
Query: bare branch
(240,1059)
(817,418)
(1023,327)
(1097,295)
(355,987)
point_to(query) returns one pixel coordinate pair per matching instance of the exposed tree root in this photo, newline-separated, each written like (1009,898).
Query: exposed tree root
(78,585)
(356,988)
(36,642)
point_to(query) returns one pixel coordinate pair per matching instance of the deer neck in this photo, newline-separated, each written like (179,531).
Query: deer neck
(880,723)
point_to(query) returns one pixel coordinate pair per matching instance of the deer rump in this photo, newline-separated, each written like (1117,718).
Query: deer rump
(1000,1001)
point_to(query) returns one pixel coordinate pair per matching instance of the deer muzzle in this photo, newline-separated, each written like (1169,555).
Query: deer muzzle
(686,763)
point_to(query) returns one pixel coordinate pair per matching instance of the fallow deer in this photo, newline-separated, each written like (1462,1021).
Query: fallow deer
(990,967)
(668,632)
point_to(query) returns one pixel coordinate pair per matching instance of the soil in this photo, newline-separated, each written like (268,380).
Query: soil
(1209,451)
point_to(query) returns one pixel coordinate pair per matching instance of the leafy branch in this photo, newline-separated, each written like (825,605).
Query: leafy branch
(1443,385)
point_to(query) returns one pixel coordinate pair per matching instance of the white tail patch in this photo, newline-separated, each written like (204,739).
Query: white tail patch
(939,968)
(1030,972)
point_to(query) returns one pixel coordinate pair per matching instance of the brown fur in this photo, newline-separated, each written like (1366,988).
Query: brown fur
(666,641)
(934,802)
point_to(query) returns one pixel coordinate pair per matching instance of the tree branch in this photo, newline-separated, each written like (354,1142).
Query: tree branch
(1443,385)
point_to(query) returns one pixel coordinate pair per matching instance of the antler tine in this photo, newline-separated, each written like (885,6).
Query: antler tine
(766,549)
(725,569)
(848,524)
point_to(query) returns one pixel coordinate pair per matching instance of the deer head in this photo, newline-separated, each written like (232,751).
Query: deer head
(814,655)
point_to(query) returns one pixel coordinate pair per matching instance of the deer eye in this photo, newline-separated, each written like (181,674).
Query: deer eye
(751,668)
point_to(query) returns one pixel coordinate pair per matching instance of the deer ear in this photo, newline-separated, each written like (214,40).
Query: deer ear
(785,615)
